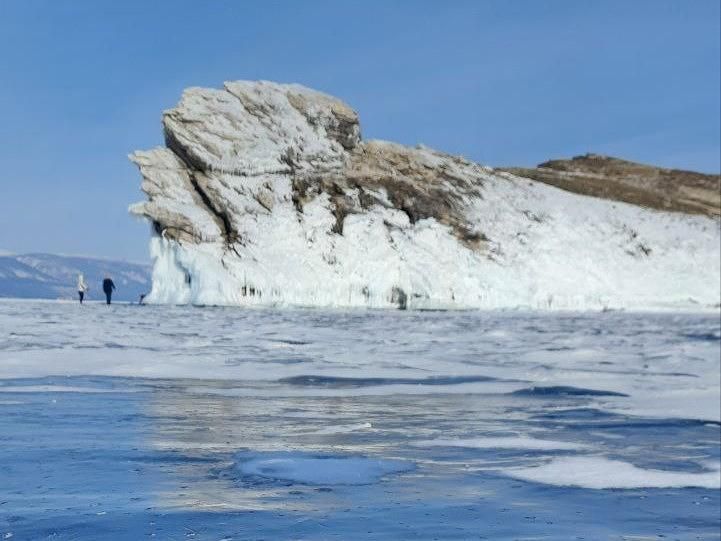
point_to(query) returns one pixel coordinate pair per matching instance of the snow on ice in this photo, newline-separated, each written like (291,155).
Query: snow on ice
(221,423)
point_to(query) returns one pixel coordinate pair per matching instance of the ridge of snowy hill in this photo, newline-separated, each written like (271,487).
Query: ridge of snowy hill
(645,185)
(266,194)
(51,276)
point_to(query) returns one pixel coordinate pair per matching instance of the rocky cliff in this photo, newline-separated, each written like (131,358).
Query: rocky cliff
(266,194)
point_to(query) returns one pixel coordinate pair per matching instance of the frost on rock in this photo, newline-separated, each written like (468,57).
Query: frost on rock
(266,194)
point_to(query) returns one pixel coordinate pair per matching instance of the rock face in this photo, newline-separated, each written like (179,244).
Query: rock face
(266,194)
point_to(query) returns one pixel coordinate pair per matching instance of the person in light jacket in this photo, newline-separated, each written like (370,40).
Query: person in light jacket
(82,287)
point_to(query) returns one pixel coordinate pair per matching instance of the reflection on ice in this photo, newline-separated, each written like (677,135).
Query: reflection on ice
(511,442)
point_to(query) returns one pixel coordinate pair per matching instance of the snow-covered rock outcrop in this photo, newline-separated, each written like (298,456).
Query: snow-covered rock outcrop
(266,194)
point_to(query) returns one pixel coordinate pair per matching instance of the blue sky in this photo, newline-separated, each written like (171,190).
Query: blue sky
(83,83)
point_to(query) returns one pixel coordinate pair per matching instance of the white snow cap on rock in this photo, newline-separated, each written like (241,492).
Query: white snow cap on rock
(266,195)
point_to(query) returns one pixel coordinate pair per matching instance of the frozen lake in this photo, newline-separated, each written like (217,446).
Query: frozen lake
(128,422)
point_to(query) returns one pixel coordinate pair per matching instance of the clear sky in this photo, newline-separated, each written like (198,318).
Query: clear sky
(506,82)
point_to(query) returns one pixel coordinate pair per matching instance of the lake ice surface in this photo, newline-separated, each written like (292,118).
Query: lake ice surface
(158,422)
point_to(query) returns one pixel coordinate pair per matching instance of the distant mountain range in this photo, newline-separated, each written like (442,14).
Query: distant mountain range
(50,276)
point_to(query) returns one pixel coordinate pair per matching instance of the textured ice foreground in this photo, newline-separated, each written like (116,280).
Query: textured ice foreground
(594,472)
(122,422)
(320,469)
(505,443)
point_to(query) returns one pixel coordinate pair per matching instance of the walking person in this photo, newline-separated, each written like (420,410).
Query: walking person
(82,287)
(108,287)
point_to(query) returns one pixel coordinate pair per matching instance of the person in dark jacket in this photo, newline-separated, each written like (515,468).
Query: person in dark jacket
(108,287)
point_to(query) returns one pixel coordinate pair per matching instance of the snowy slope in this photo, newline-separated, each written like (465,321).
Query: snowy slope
(50,276)
(266,194)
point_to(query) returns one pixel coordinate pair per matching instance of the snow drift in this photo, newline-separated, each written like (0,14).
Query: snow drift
(266,194)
